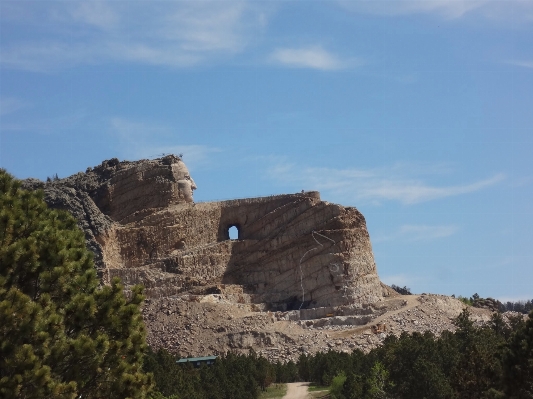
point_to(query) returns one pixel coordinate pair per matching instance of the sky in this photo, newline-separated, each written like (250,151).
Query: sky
(418,113)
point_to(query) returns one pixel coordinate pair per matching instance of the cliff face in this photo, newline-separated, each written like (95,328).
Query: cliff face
(104,195)
(300,278)
(294,251)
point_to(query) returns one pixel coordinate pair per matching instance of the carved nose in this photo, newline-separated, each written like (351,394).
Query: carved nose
(193,185)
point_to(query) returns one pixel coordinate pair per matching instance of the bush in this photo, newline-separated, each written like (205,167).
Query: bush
(336,386)
(403,291)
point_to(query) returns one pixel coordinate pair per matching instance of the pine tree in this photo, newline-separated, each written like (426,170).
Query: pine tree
(478,370)
(518,362)
(61,334)
(353,386)
(378,382)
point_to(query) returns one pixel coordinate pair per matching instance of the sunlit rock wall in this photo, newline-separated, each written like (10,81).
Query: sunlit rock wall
(293,251)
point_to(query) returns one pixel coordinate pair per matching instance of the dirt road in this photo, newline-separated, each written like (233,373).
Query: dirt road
(296,390)
(412,301)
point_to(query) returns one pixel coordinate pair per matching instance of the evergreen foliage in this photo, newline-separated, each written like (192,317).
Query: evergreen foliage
(231,376)
(403,291)
(518,362)
(523,307)
(61,335)
(520,306)
(494,361)
(337,385)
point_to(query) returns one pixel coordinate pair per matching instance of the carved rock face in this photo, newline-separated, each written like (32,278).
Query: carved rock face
(130,189)
(294,251)
(117,191)
(186,184)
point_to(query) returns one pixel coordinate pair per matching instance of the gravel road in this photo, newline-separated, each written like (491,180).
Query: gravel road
(296,390)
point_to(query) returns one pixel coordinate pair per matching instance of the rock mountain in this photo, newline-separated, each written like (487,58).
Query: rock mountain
(301,276)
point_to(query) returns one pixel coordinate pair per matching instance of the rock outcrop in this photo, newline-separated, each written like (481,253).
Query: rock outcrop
(488,303)
(293,251)
(300,277)
(104,195)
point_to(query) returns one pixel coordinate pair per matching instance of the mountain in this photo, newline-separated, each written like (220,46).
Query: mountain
(300,277)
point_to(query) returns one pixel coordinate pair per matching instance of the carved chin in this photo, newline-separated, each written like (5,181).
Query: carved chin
(185,190)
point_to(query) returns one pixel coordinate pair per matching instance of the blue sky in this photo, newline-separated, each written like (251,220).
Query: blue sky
(419,113)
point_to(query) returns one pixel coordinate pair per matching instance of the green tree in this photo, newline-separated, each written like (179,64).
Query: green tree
(478,370)
(304,368)
(168,375)
(336,386)
(518,362)
(417,365)
(61,334)
(378,382)
(353,386)
(265,373)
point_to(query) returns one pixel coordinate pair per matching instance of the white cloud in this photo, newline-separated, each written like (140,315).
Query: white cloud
(47,56)
(523,181)
(510,10)
(424,232)
(174,34)
(447,8)
(50,125)
(217,27)
(401,182)
(134,132)
(419,233)
(97,13)
(142,140)
(8,105)
(314,57)
(524,64)
(412,192)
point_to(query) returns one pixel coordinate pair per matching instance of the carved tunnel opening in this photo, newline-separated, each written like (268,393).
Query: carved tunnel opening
(233,232)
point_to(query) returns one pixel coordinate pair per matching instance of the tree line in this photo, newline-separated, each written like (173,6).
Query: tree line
(493,361)
(475,300)
(520,306)
(231,376)
(401,290)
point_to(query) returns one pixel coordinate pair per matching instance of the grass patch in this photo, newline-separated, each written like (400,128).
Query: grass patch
(314,388)
(319,394)
(274,391)
(317,391)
